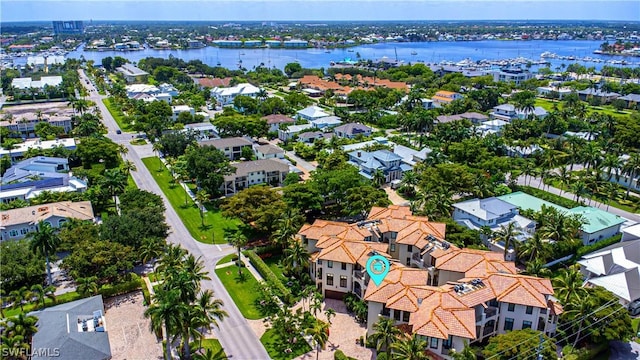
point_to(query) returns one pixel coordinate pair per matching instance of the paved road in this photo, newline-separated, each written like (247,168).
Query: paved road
(624,351)
(535,182)
(235,335)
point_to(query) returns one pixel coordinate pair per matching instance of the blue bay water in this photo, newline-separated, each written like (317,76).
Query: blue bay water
(425,51)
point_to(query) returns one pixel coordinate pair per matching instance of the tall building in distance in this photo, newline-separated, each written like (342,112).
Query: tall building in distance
(68,27)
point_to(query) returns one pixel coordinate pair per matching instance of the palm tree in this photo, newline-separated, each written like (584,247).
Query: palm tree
(534,248)
(564,176)
(579,188)
(576,310)
(202,196)
(87,286)
(568,284)
(329,313)
(23,325)
(209,310)
(42,293)
(296,257)
(409,348)
(611,193)
(116,181)
(319,333)
(409,181)
(45,240)
(238,240)
(286,227)
(151,249)
(466,353)
(13,343)
(127,167)
(157,148)
(20,296)
(507,235)
(165,312)
(378,177)
(537,268)
(172,258)
(385,334)
(631,168)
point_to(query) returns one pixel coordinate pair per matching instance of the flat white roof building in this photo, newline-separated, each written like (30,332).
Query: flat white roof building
(27,83)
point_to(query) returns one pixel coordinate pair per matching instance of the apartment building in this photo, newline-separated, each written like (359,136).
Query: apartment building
(17,223)
(231,147)
(249,173)
(434,289)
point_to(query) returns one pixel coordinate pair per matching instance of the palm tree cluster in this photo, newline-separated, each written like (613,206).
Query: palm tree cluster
(181,309)
(15,342)
(398,345)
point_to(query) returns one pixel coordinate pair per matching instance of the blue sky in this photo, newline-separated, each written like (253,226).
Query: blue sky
(230,10)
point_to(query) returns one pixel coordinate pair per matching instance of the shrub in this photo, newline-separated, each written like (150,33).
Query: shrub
(109,290)
(599,245)
(274,249)
(553,198)
(382,356)
(269,276)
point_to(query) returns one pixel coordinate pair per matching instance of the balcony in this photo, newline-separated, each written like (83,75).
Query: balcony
(487,314)
(359,274)
(417,260)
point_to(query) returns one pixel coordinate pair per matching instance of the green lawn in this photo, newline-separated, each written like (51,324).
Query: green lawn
(226,259)
(117,114)
(274,264)
(61,299)
(216,348)
(547,104)
(138,142)
(270,342)
(215,223)
(620,203)
(242,291)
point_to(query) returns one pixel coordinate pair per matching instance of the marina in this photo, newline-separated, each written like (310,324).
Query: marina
(534,54)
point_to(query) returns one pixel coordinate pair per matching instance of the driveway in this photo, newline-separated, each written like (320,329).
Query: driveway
(624,351)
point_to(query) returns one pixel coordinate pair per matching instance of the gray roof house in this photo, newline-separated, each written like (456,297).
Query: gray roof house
(132,73)
(326,122)
(249,173)
(603,95)
(269,151)
(231,147)
(616,268)
(311,113)
(631,99)
(508,112)
(73,331)
(368,162)
(351,130)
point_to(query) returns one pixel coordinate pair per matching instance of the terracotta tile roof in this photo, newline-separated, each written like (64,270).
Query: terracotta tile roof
(31,215)
(441,314)
(474,263)
(556,307)
(521,289)
(445,93)
(214,82)
(352,252)
(442,99)
(323,227)
(397,285)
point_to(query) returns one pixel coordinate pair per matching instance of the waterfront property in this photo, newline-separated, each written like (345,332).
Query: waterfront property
(616,268)
(549,90)
(24,123)
(17,223)
(226,95)
(75,330)
(249,173)
(231,147)
(516,76)
(163,92)
(133,74)
(29,83)
(445,294)
(603,96)
(29,178)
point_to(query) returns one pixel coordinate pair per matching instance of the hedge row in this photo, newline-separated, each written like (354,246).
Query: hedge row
(553,198)
(597,246)
(339,355)
(109,290)
(269,276)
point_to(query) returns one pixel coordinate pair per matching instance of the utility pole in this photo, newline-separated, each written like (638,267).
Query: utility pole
(539,349)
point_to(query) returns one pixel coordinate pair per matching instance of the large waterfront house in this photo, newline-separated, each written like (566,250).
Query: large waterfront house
(434,289)
(25,123)
(133,74)
(18,151)
(17,223)
(226,95)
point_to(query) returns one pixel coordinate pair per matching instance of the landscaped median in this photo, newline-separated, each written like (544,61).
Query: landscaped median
(242,290)
(117,114)
(215,223)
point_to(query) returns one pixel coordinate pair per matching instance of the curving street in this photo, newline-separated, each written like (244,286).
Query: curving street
(235,335)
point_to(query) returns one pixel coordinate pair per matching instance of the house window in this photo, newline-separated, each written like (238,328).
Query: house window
(343,281)
(13,233)
(320,273)
(396,315)
(526,324)
(24,231)
(405,316)
(434,343)
(385,311)
(511,307)
(319,262)
(330,264)
(409,248)
(408,263)
(508,324)
(446,344)
(392,247)
(529,310)
(330,279)
(344,266)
